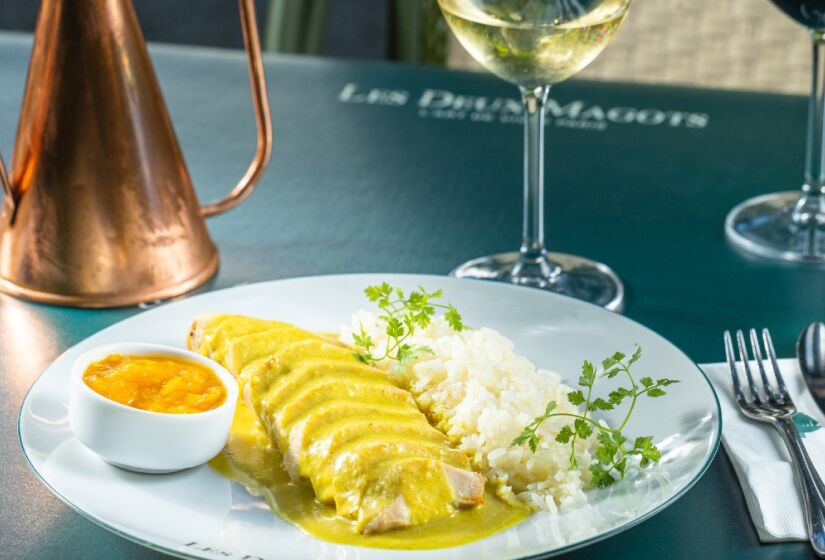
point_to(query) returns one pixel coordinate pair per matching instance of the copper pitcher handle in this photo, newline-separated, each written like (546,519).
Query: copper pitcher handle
(260,102)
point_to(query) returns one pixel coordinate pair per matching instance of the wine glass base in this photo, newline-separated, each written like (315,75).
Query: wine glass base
(778,226)
(564,274)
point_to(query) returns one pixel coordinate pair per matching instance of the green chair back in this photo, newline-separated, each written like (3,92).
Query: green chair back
(298,26)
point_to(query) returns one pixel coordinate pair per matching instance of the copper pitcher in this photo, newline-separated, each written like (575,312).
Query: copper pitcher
(99,209)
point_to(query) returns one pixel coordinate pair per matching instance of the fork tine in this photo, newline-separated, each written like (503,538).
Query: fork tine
(766,338)
(743,356)
(757,355)
(737,388)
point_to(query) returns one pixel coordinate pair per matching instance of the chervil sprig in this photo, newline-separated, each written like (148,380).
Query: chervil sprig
(613,449)
(528,435)
(402,315)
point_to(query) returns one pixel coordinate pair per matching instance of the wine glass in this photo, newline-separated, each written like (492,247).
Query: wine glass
(535,44)
(790,226)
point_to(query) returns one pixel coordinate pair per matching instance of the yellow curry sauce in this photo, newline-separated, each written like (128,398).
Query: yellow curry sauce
(156,383)
(250,459)
(290,377)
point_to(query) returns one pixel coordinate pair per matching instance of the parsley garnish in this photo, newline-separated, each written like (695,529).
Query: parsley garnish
(613,448)
(402,314)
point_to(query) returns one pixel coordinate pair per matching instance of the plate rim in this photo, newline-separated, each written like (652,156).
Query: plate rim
(538,556)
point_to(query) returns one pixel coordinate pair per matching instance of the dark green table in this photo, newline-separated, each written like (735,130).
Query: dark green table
(388,168)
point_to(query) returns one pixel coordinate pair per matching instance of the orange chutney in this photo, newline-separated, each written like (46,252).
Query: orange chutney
(156,383)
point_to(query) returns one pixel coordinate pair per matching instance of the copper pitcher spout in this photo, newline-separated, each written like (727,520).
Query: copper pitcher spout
(99,208)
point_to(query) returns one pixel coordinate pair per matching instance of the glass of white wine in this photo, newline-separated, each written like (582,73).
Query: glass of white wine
(535,44)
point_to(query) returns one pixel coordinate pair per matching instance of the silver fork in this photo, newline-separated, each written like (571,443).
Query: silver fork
(767,402)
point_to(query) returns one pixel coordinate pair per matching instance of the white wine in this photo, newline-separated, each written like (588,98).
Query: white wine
(533,43)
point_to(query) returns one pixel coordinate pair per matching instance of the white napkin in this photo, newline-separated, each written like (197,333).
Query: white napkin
(759,457)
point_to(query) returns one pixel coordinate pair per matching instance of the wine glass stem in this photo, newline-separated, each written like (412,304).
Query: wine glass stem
(815,156)
(532,244)
(810,208)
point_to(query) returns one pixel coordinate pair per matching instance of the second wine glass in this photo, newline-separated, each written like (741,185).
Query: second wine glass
(535,44)
(790,225)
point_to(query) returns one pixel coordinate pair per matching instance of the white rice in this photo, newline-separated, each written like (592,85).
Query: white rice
(482,394)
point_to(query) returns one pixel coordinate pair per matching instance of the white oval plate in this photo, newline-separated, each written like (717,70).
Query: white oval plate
(197,513)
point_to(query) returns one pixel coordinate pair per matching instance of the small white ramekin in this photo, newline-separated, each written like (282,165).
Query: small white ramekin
(144,441)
